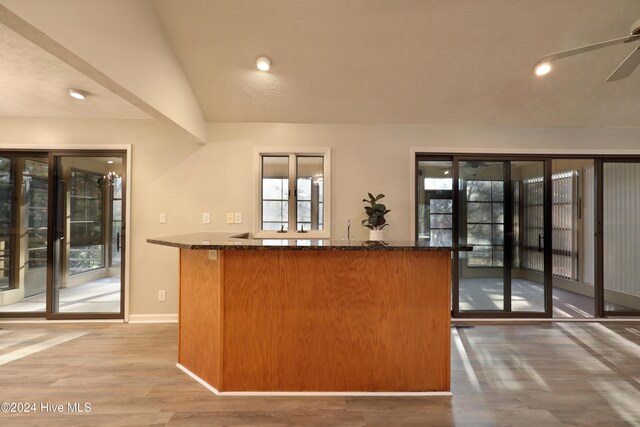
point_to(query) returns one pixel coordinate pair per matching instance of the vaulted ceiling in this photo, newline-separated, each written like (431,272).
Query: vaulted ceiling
(435,62)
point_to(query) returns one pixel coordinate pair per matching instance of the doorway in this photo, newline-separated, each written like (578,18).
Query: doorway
(501,212)
(63,234)
(552,237)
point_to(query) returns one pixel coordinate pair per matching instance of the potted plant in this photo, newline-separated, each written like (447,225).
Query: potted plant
(375,221)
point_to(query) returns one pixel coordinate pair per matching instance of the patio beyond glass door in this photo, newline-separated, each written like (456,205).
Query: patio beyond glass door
(501,212)
(88,238)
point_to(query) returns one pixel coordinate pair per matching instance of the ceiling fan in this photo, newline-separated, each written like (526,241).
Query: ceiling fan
(624,70)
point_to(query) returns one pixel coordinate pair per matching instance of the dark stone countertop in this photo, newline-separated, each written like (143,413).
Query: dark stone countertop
(244,241)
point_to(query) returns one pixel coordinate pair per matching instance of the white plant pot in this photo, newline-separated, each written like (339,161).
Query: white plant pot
(376,235)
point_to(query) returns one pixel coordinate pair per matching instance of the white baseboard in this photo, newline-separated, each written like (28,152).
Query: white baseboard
(202,382)
(456,320)
(309,393)
(153,318)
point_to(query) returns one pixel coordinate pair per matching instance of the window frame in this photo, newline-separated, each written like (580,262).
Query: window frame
(293,154)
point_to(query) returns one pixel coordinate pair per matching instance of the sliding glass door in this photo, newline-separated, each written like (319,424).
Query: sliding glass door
(501,212)
(24,196)
(544,231)
(620,246)
(62,234)
(483,275)
(500,207)
(87,237)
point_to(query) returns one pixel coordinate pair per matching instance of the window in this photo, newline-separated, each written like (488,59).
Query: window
(435,198)
(485,223)
(36,190)
(6,223)
(116,221)
(275,192)
(294,193)
(86,236)
(532,224)
(565,212)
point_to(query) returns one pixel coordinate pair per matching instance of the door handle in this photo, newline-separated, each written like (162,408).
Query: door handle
(540,238)
(118,242)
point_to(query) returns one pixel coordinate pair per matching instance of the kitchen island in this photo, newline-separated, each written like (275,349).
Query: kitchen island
(318,316)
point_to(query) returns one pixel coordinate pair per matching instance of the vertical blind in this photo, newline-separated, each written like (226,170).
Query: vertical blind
(621,210)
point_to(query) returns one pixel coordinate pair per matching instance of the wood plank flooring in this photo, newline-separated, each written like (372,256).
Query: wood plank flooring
(585,374)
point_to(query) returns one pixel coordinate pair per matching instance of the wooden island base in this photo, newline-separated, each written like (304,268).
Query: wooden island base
(317,320)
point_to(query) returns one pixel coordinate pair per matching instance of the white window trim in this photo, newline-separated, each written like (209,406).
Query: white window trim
(311,234)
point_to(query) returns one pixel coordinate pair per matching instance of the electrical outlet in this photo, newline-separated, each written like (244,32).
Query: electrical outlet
(162,295)
(238,218)
(163,218)
(206,218)
(230,218)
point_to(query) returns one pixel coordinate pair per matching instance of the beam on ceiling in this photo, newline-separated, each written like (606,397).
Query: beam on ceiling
(117,43)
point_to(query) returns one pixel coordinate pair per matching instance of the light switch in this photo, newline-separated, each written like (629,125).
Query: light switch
(206,218)
(163,218)
(238,218)
(230,219)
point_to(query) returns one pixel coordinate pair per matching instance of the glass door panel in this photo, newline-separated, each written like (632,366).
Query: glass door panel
(88,219)
(481,208)
(6,224)
(34,223)
(116,223)
(435,202)
(528,260)
(24,201)
(501,211)
(621,237)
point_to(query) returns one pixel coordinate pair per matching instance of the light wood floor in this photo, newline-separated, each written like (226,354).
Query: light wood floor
(508,375)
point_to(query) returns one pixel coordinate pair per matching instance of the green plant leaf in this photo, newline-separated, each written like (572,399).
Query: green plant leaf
(379,196)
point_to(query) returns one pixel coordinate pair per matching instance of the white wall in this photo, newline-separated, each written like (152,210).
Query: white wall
(183,179)
(162,156)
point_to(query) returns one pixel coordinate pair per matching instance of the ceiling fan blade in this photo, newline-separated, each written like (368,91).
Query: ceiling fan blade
(587,48)
(625,69)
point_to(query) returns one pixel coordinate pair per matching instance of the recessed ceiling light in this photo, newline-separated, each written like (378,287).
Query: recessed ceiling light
(446,172)
(110,162)
(263,63)
(542,68)
(78,94)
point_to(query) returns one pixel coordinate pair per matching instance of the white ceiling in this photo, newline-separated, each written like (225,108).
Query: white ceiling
(34,83)
(436,62)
